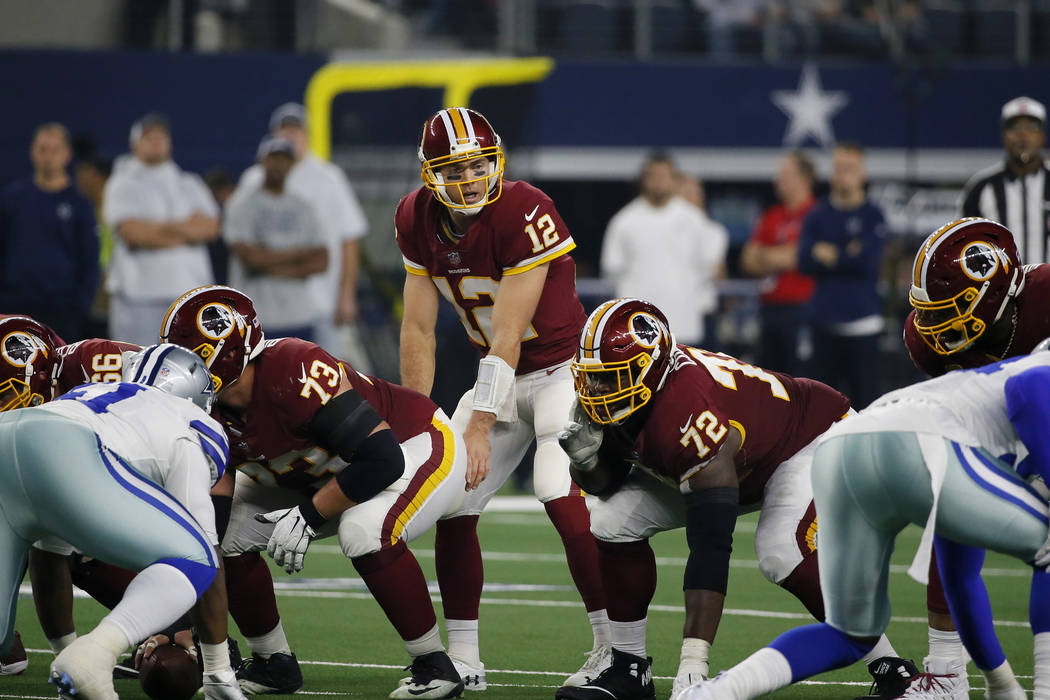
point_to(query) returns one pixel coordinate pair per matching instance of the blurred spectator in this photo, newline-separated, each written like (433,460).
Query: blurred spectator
(772,253)
(325,187)
(691,189)
(1014,191)
(92,171)
(221,184)
(277,246)
(852,27)
(662,248)
(730,23)
(841,247)
(48,240)
(163,217)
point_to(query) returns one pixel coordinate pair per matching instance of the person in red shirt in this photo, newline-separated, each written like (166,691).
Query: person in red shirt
(771,254)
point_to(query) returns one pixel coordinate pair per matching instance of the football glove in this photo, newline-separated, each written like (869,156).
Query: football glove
(222,685)
(581,439)
(290,538)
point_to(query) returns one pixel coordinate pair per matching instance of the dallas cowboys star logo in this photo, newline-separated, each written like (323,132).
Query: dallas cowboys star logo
(809,109)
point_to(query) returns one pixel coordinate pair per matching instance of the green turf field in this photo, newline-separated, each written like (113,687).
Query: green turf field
(534,630)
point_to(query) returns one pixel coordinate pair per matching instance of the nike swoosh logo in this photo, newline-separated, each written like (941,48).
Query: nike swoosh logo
(528,217)
(302,379)
(688,424)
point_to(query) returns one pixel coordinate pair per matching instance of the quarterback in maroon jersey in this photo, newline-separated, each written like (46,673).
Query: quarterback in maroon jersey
(498,251)
(319,450)
(670,436)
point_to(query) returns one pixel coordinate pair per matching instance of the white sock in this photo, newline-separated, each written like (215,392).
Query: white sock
(881,648)
(694,658)
(945,644)
(463,641)
(763,672)
(1001,681)
(600,627)
(629,637)
(110,637)
(216,657)
(428,643)
(1042,666)
(156,598)
(57,645)
(273,642)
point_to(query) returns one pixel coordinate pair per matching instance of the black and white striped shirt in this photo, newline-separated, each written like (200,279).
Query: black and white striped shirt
(1022,204)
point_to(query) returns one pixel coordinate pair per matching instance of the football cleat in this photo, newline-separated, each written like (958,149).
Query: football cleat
(433,676)
(598,659)
(84,671)
(276,675)
(473,676)
(714,689)
(891,676)
(627,677)
(683,681)
(16,660)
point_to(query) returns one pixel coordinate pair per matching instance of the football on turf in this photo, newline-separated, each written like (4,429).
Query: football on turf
(170,673)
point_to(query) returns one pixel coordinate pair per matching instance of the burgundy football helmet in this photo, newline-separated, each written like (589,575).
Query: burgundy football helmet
(29,363)
(219,324)
(964,275)
(624,353)
(459,135)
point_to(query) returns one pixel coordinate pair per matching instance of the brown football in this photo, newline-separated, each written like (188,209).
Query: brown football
(170,673)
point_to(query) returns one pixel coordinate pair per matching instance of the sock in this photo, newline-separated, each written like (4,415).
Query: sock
(110,637)
(936,602)
(428,643)
(968,600)
(397,583)
(249,590)
(57,645)
(763,672)
(1000,680)
(629,571)
(463,641)
(817,648)
(629,636)
(945,644)
(1039,602)
(694,658)
(600,627)
(272,642)
(881,648)
(804,583)
(157,597)
(573,523)
(216,657)
(1042,666)
(457,559)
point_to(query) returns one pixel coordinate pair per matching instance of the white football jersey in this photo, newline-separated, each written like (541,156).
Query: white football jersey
(165,438)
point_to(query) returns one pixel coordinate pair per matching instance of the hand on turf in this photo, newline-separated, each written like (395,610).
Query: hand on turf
(290,538)
(581,439)
(222,685)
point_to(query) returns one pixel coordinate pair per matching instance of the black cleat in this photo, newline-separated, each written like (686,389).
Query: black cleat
(891,677)
(276,675)
(629,677)
(433,676)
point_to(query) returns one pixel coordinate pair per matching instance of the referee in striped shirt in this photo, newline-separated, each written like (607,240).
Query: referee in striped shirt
(1016,192)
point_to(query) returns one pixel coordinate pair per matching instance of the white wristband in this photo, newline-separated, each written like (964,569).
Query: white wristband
(494,390)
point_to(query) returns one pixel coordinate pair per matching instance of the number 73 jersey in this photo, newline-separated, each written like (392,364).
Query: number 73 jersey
(518,232)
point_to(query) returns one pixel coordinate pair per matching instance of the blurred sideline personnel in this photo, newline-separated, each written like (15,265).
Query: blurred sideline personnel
(320,449)
(772,253)
(973,303)
(670,436)
(498,251)
(1014,191)
(325,187)
(279,250)
(147,455)
(162,217)
(663,248)
(925,454)
(841,247)
(46,215)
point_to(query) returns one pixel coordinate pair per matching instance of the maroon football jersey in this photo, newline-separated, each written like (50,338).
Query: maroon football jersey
(1033,325)
(707,393)
(519,231)
(270,439)
(91,361)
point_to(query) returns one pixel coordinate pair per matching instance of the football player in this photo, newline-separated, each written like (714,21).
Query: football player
(498,251)
(925,454)
(973,303)
(670,436)
(320,450)
(147,454)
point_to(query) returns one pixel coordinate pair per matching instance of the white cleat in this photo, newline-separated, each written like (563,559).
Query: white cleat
(473,676)
(683,681)
(84,671)
(1015,693)
(714,689)
(942,679)
(598,659)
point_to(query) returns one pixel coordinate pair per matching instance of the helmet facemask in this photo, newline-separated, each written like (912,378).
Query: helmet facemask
(493,179)
(611,391)
(29,356)
(949,326)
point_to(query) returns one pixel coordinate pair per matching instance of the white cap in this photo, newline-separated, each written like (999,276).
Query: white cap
(1023,107)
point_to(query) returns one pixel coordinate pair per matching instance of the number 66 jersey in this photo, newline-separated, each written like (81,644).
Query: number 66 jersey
(516,233)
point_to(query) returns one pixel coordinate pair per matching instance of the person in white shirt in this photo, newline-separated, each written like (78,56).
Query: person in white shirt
(343,223)
(162,217)
(666,250)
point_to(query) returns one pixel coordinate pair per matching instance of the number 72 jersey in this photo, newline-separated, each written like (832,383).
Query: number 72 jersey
(518,232)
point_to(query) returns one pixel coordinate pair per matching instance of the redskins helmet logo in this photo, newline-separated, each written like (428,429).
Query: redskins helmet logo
(216,321)
(979,260)
(20,348)
(644,329)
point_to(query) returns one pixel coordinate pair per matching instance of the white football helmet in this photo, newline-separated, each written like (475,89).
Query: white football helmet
(173,369)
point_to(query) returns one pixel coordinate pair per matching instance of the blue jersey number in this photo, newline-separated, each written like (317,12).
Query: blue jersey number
(100,404)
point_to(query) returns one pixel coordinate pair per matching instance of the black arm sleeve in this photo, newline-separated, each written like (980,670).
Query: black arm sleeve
(343,423)
(222,505)
(710,518)
(377,463)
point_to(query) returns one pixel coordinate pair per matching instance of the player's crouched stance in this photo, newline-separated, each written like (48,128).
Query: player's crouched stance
(145,459)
